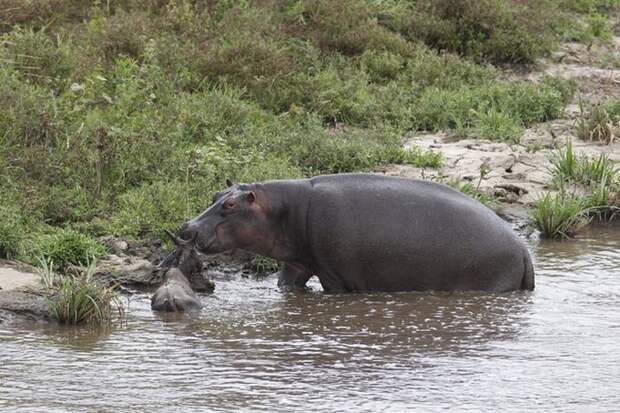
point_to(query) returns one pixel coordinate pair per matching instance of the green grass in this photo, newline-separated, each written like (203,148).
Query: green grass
(597,177)
(564,164)
(472,191)
(125,117)
(559,216)
(569,167)
(65,248)
(79,298)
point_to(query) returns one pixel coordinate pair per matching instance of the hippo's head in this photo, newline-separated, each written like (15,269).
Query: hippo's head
(237,218)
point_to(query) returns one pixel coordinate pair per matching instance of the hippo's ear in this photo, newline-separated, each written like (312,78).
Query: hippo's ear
(229,183)
(251,196)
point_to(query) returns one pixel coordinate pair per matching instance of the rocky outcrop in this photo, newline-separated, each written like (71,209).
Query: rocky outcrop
(22,305)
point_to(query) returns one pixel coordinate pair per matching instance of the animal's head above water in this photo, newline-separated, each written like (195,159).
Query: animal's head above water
(185,256)
(237,218)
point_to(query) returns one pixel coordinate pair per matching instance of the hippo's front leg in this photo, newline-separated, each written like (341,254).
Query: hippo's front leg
(292,277)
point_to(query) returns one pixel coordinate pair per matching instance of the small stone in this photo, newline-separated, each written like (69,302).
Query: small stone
(76,87)
(115,245)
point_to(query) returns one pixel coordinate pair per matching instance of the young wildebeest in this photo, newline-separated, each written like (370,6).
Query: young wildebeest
(176,293)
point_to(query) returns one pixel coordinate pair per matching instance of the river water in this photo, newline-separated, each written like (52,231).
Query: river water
(255,349)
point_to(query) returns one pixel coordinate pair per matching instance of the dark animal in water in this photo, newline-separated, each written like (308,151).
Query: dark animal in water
(367,232)
(176,293)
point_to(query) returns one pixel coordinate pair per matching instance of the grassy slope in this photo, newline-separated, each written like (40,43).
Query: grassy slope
(124,117)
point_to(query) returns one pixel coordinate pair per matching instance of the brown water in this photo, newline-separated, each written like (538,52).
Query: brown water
(253,348)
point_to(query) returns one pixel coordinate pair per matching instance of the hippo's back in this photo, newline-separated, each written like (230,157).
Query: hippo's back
(373,232)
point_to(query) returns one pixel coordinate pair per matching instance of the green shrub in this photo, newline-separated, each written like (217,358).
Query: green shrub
(496,125)
(381,66)
(263,266)
(497,31)
(13,229)
(26,117)
(559,216)
(590,6)
(599,170)
(37,57)
(40,13)
(67,248)
(79,298)
(149,209)
(524,102)
(347,26)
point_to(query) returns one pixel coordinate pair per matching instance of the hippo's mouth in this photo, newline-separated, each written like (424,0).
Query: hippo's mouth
(208,247)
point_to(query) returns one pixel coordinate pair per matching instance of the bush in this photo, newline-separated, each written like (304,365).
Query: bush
(496,125)
(150,209)
(79,298)
(559,216)
(13,229)
(564,164)
(347,26)
(507,104)
(26,117)
(496,31)
(37,57)
(65,248)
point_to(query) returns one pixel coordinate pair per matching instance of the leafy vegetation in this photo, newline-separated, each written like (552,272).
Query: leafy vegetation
(78,298)
(125,116)
(596,179)
(68,247)
(587,21)
(559,216)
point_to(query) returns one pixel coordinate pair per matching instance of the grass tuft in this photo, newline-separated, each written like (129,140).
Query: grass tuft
(559,216)
(78,298)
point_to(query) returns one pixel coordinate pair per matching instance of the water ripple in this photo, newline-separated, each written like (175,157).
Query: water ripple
(255,349)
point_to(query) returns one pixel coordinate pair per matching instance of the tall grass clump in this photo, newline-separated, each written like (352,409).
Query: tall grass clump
(569,167)
(601,124)
(597,177)
(78,298)
(559,216)
(564,164)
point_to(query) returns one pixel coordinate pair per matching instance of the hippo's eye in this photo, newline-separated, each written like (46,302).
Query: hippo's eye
(229,204)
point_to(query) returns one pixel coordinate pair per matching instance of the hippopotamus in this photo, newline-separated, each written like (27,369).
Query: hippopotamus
(176,293)
(367,232)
